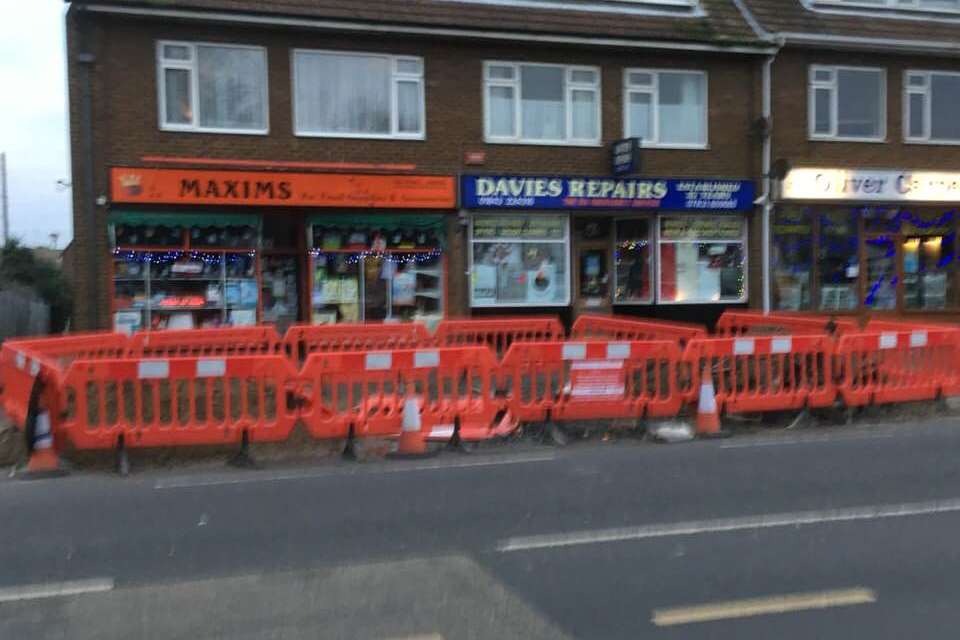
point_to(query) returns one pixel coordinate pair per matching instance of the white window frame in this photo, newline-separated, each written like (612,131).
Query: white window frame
(396,77)
(192,66)
(653,224)
(895,5)
(569,86)
(834,87)
(566,258)
(654,92)
(744,248)
(927,92)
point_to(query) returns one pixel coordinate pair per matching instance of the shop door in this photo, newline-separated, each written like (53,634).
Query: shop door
(881,285)
(592,265)
(281,279)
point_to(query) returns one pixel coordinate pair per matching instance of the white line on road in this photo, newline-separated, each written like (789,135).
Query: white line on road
(776,442)
(763,606)
(55,589)
(185,483)
(696,527)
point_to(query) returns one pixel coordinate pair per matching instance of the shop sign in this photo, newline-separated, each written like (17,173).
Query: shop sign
(871,185)
(625,156)
(187,186)
(551,192)
(519,227)
(694,228)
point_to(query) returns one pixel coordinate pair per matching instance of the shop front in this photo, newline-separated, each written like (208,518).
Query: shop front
(199,248)
(865,241)
(623,245)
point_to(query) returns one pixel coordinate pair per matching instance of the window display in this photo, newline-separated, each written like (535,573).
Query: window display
(633,262)
(792,260)
(838,260)
(519,260)
(702,259)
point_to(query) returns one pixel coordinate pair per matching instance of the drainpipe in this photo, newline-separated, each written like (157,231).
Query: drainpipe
(767,197)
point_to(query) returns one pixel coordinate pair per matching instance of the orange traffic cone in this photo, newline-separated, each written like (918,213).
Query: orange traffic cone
(43,461)
(412,441)
(708,418)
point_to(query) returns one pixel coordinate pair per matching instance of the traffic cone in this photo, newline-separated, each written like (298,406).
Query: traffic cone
(412,441)
(43,461)
(708,418)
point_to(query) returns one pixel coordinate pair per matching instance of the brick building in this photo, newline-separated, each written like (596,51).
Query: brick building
(322,161)
(866,132)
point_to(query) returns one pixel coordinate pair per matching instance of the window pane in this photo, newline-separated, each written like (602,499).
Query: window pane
(583,76)
(916,115)
(342,93)
(859,109)
(701,271)
(881,257)
(500,72)
(541,94)
(406,65)
(838,260)
(408,105)
(640,116)
(822,118)
(232,88)
(823,75)
(176,52)
(527,273)
(501,111)
(792,260)
(945,93)
(584,115)
(633,261)
(917,80)
(177,105)
(681,108)
(641,78)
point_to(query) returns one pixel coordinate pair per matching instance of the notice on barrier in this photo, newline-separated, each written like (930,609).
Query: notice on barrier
(598,379)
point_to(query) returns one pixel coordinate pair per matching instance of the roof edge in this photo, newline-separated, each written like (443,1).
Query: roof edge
(884,45)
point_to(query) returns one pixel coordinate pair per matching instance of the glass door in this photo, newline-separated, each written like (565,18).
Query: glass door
(881,286)
(926,280)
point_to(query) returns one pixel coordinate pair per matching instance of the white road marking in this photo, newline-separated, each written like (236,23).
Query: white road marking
(55,589)
(776,442)
(429,636)
(696,527)
(763,606)
(186,483)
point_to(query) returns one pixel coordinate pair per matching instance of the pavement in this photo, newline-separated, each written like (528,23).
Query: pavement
(816,533)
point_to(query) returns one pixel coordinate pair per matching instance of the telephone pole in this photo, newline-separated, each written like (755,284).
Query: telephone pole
(3,200)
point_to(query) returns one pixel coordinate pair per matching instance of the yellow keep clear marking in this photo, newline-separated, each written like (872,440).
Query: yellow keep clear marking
(763,606)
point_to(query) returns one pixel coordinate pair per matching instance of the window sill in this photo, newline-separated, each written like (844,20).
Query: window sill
(721,301)
(677,147)
(933,143)
(360,136)
(837,139)
(633,303)
(496,305)
(543,143)
(229,132)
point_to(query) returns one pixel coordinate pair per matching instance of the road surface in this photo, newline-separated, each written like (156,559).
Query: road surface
(844,533)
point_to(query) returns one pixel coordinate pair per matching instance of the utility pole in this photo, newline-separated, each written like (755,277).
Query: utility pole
(3,201)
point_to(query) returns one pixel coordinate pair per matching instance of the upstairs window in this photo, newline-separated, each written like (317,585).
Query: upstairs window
(666,108)
(542,103)
(902,5)
(215,88)
(847,103)
(931,102)
(358,95)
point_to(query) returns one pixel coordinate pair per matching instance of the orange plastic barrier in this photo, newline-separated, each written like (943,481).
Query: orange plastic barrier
(302,340)
(592,380)
(176,401)
(875,326)
(369,393)
(766,373)
(739,323)
(595,327)
(498,334)
(205,342)
(23,360)
(898,366)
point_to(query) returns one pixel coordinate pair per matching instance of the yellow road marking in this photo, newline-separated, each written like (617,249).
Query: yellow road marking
(763,606)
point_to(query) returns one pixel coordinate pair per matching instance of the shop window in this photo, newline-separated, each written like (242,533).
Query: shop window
(216,88)
(666,108)
(519,260)
(931,107)
(702,259)
(540,103)
(634,264)
(838,261)
(358,95)
(792,260)
(379,269)
(847,103)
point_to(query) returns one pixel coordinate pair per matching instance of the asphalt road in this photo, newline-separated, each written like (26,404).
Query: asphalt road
(844,533)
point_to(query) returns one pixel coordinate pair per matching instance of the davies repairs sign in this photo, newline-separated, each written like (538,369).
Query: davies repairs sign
(552,192)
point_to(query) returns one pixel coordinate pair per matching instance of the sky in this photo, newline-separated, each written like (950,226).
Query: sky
(33,119)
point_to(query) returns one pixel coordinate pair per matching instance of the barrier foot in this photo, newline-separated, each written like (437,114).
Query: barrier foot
(123,461)
(716,435)
(242,459)
(557,435)
(800,419)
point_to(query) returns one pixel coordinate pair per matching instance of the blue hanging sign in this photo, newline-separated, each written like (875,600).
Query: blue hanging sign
(552,192)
